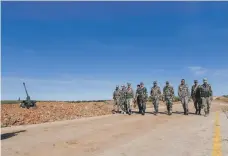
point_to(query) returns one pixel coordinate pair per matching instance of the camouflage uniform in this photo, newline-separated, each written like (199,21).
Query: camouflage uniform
(141,96)
(129,98)
(137,99)
(168,94)
(116,98)
(184,95)
(206,96)
(155,95)
(123,99)
(196,97)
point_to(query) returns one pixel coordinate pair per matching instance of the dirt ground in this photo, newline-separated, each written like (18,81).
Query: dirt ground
(122,135)
(12,114)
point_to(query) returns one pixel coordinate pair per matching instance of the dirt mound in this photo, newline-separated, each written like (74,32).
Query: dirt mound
(51,111)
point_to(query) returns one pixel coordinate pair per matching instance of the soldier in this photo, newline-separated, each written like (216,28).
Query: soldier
(141,96)
(196,97)
(123,99)
(116,98)
(206,95)
(129,98)
(137,99)
(168,93)
(184,95)
(155,94)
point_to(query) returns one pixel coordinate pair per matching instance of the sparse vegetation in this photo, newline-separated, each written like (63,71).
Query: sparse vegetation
(176,99)
(10,101)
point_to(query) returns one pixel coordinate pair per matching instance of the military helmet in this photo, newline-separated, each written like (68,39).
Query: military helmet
(167,82)
(205,80)
(141,83)
(117,86)
(155,82)
(128,84)
(195,81)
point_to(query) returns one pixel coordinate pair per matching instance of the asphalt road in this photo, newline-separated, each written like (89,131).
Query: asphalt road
(124,135)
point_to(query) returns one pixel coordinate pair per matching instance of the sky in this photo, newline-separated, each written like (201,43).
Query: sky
(82,50)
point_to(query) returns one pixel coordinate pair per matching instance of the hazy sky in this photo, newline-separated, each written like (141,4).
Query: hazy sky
(82,50)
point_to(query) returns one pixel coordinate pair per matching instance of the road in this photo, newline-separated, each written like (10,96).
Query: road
(123,135)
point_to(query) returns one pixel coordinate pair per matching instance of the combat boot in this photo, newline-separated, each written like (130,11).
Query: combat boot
(186,111)
(199,112)
(156,113)
(130,112)
(206,114)
(196,111)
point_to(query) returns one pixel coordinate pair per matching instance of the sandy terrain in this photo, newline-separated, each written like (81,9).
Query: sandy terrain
(122,135)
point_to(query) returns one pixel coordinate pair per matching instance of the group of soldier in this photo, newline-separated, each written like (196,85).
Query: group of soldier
(201,95)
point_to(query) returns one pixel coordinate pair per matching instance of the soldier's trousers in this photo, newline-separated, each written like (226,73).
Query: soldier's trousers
(169,104)
(206,104)
(197,103)
(138,103)
(156,104)
(184,102)
(116,106)
(129,104)
(142,104)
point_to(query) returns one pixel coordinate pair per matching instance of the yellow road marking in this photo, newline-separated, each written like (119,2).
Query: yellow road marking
(217,138)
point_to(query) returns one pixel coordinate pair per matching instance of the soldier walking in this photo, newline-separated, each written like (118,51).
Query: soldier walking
(168,94)
(123,99)
(129,98)
(141,96)
(116,98)
(184,95)
(196,97)
(206,95)
(155,94)
(137,99)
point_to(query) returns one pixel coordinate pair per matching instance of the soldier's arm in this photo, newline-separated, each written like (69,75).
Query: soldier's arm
(151,91)
(163,96)
(113,95)
(192,91)
(179,90)
(173,91)
(211,91)
(146,93)
(163,91)
(189,94)
(199,91)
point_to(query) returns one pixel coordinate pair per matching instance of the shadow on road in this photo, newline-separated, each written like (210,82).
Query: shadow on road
(12,134)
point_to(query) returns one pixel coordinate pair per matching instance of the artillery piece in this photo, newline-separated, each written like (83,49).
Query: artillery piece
(28,102)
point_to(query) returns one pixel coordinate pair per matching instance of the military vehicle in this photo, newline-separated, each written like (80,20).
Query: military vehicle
(28,102)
